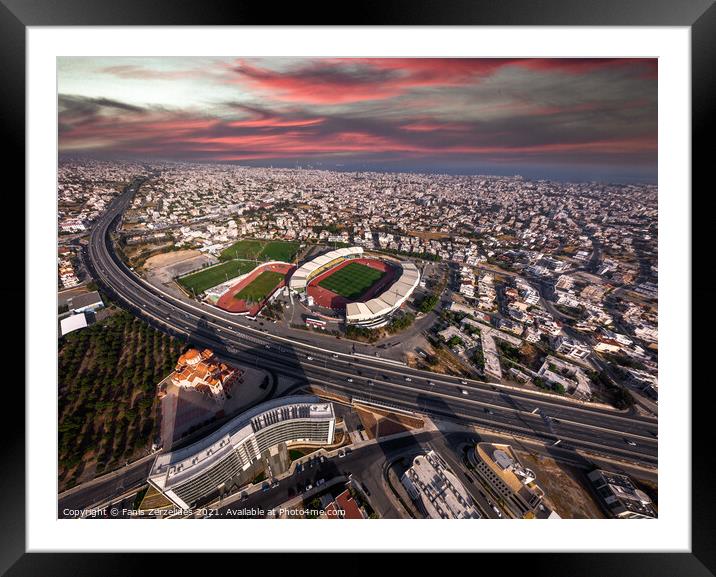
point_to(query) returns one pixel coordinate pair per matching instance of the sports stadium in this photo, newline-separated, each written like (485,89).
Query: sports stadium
(366,289)
(250,292)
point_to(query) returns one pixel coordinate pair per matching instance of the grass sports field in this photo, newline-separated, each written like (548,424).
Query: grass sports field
(352,280)
(209,277)
(260,287)
(279,250)
(261,250)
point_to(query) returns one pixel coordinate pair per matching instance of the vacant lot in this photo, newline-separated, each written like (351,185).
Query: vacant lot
(262,286)
(352,280)
(168,258)
(209,277)
(566,487)
(261,250)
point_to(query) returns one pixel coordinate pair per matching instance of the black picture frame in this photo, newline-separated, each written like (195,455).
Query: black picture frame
(17,15)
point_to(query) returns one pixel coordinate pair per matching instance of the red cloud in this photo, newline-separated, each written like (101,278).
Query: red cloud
(319,83)
(340,81)
(411,130)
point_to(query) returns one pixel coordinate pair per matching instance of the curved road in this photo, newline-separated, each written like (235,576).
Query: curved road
(545,417)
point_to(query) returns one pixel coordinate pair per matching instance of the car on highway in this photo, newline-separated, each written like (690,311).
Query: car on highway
(334,355)
(494,508)
(265,487)
(350,380)
(463,382)
(309,358)
(431,383)
(341,454)
(464,392)
(267,346)
(488,411)
(630,442)
(309,487)
(408,379)
(274,484)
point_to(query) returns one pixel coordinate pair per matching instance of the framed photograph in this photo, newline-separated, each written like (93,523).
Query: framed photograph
(400,272)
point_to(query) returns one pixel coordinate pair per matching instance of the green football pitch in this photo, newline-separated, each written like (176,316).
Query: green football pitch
(209,277)
(260,287)
(261,250)
(352,280)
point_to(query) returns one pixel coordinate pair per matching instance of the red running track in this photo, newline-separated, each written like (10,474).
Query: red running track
(228,303)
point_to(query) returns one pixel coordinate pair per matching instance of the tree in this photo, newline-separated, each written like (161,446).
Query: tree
(427,303)
(623,399)
(454,341)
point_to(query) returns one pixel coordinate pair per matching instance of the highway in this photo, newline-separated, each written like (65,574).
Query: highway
(549,418)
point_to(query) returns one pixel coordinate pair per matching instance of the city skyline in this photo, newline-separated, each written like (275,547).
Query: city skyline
(560,119)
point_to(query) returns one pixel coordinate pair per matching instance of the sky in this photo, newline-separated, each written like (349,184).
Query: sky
(561,119)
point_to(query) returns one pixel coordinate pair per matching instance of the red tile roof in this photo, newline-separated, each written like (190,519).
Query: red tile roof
(349,506)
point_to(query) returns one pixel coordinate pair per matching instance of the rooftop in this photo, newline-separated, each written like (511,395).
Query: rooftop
(439,491)
(175,466)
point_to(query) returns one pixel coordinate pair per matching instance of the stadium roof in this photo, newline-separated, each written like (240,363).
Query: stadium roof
(357,310)
(391,299)
(299,278)
(378,307)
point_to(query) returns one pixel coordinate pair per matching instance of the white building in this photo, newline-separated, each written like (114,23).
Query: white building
(467,289)
(571,348)
(571,377)
(436,490)
(72,323)
(621,497)
(192,473)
